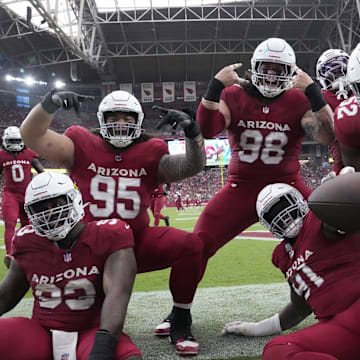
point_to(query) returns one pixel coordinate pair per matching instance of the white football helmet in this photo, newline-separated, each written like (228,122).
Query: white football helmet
(353,72)
(331,70)
(12,139)
(281,209)
(273,50)
(120,134)
(55,222)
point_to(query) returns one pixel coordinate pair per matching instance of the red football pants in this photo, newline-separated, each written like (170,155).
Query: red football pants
(12,207)
(35,341)
(335,339)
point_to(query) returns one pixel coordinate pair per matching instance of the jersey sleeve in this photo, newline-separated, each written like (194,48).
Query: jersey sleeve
(33,153)
(114,235)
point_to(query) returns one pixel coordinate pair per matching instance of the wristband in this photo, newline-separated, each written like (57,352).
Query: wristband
(315,97)
(104,345)
(214,90)
(48,105)
(193,130)
(268,326)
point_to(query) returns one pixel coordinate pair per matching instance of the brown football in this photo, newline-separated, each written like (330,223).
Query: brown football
(337,202)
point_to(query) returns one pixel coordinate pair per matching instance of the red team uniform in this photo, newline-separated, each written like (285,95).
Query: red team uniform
(320,270)
(16,170)
(333,101)
(69,282)
(120,186)
(347,123)
(157,203)
(265,142)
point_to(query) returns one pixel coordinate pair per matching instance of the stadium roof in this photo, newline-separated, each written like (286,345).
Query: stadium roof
(132,41)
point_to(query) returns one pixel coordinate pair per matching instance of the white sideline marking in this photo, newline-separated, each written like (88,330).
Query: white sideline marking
(244,237)
(212,308)
(188,218)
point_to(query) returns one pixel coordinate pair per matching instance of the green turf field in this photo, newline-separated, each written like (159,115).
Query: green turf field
(239,280)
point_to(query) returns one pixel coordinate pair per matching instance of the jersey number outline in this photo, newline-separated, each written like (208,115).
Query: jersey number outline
(303,289)
(17,173)
(251,150)
(83,302)
(350,110)
(108,196)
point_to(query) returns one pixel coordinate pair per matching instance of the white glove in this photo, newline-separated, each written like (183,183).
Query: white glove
(329,176)
(265,327)
(345,170)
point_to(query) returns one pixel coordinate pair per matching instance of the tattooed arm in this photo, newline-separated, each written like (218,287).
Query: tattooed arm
(319,125)
(180,166)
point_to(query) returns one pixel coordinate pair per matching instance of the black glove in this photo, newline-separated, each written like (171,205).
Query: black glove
(185,119)
(104,346)
(67,100)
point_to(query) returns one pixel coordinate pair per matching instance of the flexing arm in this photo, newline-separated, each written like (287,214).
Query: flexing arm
(36,164)
(177,167)
(212,117)
(318,123)
(35,128)
(292,314)
(48,144)
(12,288)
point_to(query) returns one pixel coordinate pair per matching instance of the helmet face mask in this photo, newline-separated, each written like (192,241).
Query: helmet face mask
(281,209)
(278,53)
(331,69)
(353,73)
(12,139)
(120,134)
(53,205)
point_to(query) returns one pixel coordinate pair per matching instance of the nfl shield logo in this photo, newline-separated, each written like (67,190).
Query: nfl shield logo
(65,356)
(266,109)
(67,258)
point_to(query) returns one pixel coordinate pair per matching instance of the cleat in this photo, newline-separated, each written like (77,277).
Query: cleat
(180,333)
(187,347)
(167,222)
(7,260)
(163,329)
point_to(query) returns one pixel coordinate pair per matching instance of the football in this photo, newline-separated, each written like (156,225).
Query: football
(337,202)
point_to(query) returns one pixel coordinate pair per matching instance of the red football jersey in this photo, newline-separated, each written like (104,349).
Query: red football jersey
(159,191)
(333,101)
(16,170)
(117,185)
(265,140)
(347,123)
(324,271)
(67,284)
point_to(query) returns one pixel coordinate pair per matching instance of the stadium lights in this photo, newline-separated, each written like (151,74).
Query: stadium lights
(59,84)
(28,81)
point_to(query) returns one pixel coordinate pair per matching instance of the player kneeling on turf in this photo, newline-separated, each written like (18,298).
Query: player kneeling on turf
(81,276)
(321,265)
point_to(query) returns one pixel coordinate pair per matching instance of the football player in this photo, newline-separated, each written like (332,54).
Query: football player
(322,268)
(331,70)
(157,203)
(266,121)
(15,164)
(117,168)
(81,276)
(347,115)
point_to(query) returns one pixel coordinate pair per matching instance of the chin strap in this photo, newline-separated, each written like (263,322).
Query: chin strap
(341,93)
